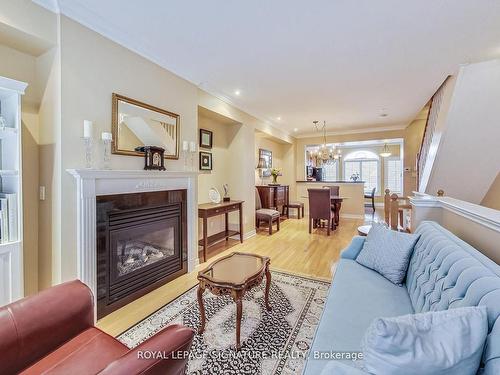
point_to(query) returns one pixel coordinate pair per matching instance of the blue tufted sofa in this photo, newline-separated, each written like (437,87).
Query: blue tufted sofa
(444,272)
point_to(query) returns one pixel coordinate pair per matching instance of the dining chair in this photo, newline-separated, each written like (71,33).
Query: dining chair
(265,214)
(334,192)
(372,197)
(320,208)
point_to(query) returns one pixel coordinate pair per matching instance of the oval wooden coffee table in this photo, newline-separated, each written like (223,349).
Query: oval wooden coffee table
(233,275)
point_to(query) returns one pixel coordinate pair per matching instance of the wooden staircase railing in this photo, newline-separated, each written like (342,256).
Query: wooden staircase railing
(430,126)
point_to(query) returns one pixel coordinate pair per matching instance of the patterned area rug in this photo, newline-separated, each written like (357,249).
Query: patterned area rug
(274,342)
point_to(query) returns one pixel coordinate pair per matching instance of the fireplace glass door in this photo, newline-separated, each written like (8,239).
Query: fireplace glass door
(136,249)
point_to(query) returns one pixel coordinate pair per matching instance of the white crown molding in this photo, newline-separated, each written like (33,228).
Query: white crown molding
(93,21)
(226,99)
(353,131)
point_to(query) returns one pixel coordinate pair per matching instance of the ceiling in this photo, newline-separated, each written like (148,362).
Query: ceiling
(295,61)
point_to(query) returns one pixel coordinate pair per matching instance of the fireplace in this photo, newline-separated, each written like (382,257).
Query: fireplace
(141,245)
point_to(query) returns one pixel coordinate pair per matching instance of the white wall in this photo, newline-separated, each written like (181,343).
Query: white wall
(468,158)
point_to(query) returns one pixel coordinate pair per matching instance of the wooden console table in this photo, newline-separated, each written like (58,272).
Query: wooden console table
(207,210)
(274,196)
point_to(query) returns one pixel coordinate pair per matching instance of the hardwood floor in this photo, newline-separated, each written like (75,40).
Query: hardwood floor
(292,249)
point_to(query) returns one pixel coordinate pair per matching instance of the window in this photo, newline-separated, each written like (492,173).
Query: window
(366,164)
(394,175)
(330,171)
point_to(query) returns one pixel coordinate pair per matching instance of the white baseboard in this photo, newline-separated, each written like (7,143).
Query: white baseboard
(246,235)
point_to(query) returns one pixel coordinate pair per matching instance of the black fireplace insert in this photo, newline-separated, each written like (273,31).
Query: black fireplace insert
(141,245)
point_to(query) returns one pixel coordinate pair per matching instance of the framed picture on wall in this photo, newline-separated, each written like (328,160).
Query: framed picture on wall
(205,161)
(268,157)
(206,138)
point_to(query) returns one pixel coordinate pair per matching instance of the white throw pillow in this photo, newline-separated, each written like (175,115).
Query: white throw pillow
(448,342)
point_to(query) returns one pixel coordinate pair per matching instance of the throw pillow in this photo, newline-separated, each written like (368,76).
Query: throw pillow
(448,342)
(387,252)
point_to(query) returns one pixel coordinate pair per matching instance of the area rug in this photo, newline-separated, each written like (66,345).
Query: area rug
(275,342)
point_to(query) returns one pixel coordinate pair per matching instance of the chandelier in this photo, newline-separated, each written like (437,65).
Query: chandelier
(325,154)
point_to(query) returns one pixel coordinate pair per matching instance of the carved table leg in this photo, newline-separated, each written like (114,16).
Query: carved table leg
(239,308)
(268,286)
(201,289)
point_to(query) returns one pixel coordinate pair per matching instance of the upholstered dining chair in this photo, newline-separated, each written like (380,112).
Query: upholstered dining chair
(265,214)
(334,191)
(320,208)
(372,197)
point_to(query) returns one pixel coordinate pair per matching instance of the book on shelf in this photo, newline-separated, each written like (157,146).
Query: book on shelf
(8,217)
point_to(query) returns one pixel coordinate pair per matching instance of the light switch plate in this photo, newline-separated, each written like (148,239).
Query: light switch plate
(42,192)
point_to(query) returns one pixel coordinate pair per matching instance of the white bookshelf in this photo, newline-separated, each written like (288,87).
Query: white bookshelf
(11,230)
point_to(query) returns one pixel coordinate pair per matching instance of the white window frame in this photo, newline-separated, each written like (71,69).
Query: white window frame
(361,160)
(336,171)
(386,174)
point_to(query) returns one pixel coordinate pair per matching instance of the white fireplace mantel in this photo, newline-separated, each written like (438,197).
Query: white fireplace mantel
(94,182)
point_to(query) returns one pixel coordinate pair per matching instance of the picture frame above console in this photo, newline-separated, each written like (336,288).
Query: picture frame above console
(206,138)
(136,124)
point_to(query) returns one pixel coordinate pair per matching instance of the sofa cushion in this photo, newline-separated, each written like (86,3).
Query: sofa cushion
(387,252)
(357,296)
(445,342)
(87,353)
(446,272)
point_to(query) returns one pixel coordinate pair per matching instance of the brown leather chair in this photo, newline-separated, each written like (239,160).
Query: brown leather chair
(53,332)
(320,208)
(265,214)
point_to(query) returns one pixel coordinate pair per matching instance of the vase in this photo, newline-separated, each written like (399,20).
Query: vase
(275,179)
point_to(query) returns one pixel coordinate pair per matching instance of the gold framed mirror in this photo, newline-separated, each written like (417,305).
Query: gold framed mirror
(136,124)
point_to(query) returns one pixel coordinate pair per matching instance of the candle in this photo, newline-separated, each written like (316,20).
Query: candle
(87,129)
(184,145)
(105,136)
(192,146)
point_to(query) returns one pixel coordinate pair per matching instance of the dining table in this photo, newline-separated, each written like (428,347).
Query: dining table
(336,201)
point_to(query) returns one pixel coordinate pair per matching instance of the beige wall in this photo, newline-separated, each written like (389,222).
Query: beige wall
(242,147)
(492,197)
(72,72)
(94,67)
(30,155)
(413,139)
(283,158)
(49,223)
(28,34)
(223,132)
